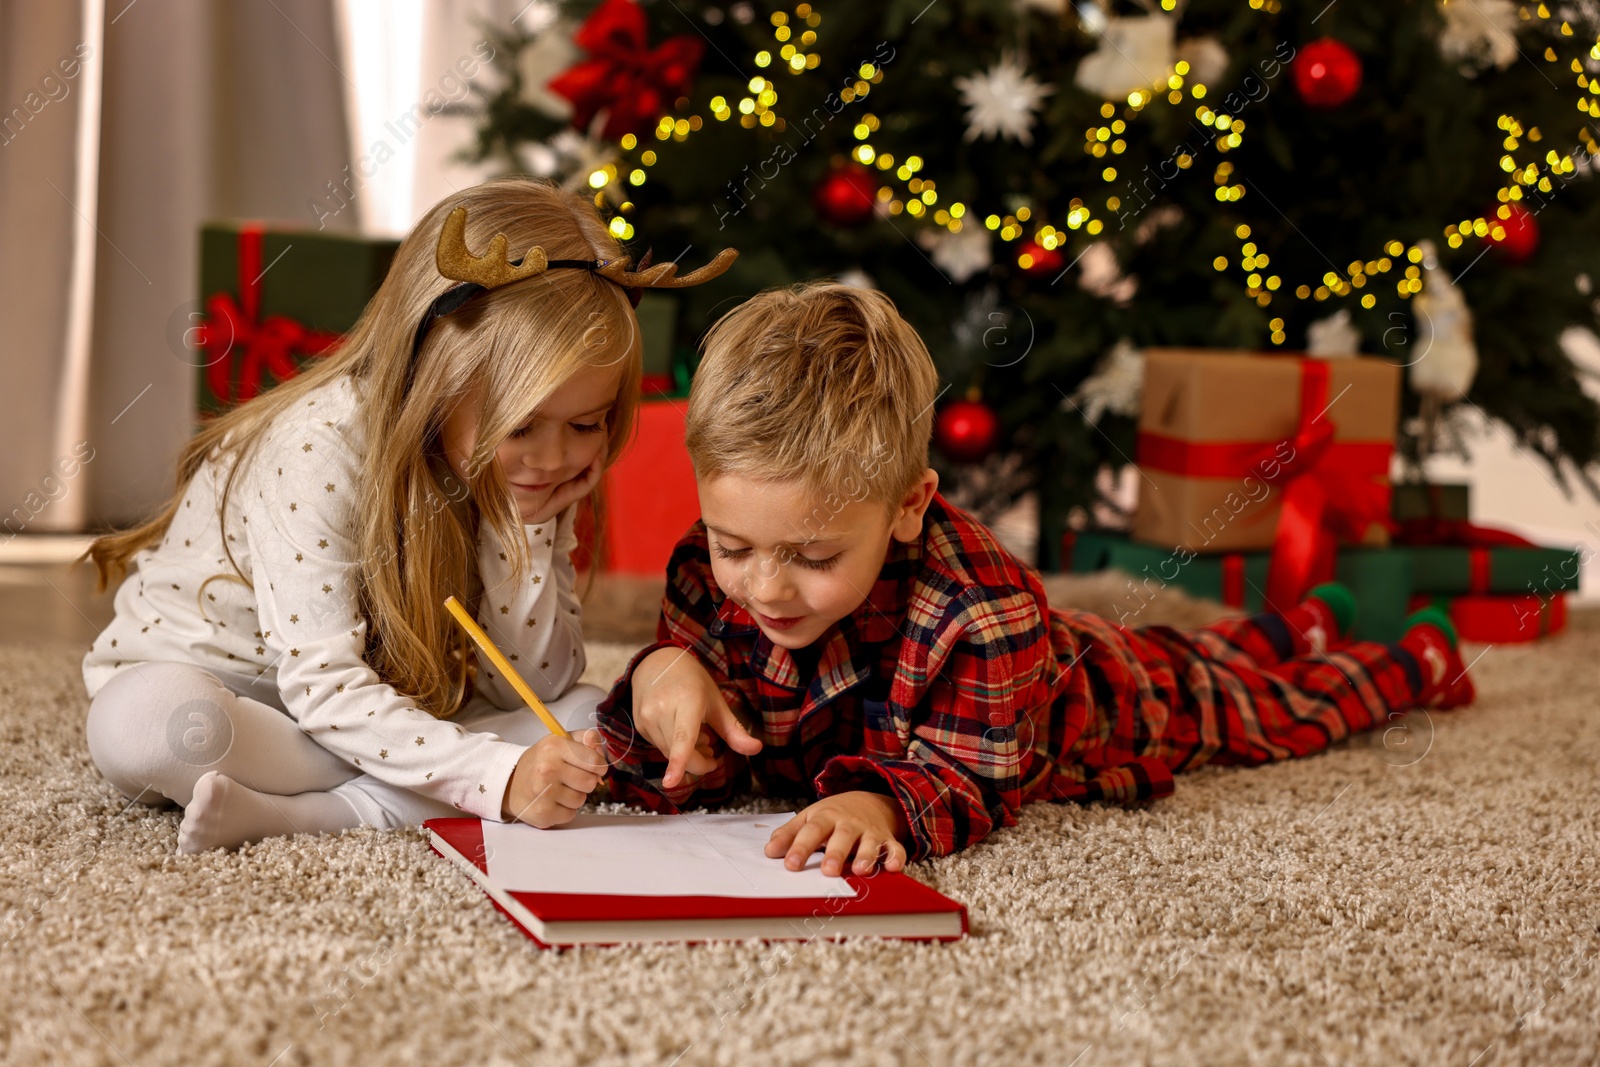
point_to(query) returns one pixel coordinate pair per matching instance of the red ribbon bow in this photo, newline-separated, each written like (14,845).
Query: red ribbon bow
(1331,489)
(632,83)
(1322,500)
(234,326)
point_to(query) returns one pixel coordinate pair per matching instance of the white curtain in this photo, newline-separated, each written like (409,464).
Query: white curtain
(381,42)
(176,111)
(50,67)
(406,57)
(452,39)
(124,124)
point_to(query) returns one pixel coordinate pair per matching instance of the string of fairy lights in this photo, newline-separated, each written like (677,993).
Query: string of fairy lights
(905,191)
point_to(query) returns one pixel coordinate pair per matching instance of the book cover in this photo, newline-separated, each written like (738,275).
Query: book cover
(885,905)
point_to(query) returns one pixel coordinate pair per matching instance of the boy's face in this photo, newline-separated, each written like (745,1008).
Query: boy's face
(799,563)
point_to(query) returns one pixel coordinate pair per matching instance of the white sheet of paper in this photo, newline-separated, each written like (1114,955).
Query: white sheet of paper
(653,856)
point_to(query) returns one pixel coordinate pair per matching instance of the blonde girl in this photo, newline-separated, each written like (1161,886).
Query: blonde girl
(281,659)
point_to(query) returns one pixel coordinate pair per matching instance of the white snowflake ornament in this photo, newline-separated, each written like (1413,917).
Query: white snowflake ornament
(1333,337)
(1207,59)
(569,157)
(1001,101)
(1134,53)
(1117,384)
(960,255)
(1099,273)
(1479,32)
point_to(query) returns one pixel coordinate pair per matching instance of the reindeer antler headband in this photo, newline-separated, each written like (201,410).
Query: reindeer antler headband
(479,274)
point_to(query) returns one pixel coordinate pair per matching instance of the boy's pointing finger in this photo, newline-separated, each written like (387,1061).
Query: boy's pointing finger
(683,739)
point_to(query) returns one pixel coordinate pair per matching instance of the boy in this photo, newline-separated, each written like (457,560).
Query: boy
(833,629)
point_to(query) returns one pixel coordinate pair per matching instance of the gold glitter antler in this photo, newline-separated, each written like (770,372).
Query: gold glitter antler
(665,275)
(489,270)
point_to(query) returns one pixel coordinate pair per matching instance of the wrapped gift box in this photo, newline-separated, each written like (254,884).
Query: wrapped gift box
(1453,557)
(1224,435)
(1379,577)
(1496,619)
(274,297)
(1532,571)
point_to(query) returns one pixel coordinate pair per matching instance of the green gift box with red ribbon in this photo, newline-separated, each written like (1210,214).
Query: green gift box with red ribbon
(1455,558)
(1379,577)
(1243,451)
(273,297)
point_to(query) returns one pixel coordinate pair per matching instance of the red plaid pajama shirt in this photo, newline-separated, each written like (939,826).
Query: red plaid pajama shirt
(957,691)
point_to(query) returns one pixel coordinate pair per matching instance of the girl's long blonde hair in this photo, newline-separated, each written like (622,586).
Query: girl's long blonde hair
(417,523)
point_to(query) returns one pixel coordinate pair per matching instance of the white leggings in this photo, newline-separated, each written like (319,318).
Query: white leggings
(156,727)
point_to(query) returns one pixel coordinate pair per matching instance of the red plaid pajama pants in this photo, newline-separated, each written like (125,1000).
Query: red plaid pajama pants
(1153,701)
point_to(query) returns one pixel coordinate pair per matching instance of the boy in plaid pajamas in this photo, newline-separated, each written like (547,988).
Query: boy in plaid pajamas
(834,630)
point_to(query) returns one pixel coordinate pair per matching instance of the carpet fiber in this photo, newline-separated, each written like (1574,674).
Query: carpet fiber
(1426,894)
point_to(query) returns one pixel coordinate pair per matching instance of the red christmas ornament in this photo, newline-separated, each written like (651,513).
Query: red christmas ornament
(847,196)
(1518,233)
(1327,73)
(966,430)
(1036,259)
(633,84)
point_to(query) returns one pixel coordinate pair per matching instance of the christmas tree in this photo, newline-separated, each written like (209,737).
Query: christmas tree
(1045,189)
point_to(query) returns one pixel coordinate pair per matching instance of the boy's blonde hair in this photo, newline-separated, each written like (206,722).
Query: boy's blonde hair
(417,520)
(821,382)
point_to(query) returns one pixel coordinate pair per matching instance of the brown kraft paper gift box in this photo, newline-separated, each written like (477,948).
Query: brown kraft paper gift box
(1251,400)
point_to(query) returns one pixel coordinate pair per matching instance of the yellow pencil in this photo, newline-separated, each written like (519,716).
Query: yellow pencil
(487,646)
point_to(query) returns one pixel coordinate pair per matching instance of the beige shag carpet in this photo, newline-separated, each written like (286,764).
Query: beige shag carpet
(1430,895)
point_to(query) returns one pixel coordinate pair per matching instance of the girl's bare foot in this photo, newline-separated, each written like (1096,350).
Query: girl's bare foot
(226,814)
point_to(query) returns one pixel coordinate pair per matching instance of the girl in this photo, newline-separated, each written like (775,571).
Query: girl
(281,659)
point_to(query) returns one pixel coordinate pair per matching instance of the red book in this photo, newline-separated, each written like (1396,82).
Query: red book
(885,905)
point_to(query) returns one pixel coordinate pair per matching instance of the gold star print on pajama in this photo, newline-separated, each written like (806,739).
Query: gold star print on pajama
(290,529)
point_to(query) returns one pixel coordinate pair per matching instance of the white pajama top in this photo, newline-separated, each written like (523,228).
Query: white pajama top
(301,633)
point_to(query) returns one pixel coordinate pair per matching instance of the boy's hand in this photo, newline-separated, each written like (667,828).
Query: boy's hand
(676,707)
(553,779)
(867,824)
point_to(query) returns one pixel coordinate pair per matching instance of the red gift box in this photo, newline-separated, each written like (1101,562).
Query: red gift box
(650,495)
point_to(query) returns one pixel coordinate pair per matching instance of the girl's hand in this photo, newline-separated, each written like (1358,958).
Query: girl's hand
(678,709)
(867,824)
(571,490)
(553,779)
